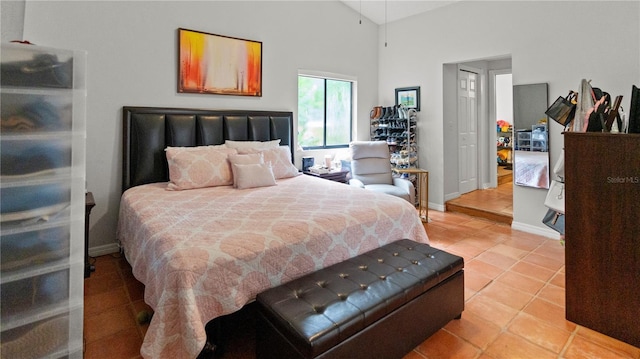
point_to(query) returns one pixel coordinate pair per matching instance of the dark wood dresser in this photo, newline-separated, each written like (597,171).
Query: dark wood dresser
(603,233)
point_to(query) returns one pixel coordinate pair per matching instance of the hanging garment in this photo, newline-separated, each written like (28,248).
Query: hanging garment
(585,103)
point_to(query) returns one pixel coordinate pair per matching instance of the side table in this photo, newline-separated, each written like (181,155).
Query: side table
(337,176)
(422,190)
(89,203)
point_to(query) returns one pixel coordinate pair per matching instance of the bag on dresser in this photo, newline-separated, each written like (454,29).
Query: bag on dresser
(555,196)
(554,220)
(558,169)
(563,109)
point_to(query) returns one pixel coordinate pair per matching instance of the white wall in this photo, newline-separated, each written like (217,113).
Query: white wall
(132,62)
(132,54)
(12,19)
(504,98)
(536,36)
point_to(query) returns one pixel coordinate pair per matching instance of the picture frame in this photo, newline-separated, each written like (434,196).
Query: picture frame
(218,64)
(409,97)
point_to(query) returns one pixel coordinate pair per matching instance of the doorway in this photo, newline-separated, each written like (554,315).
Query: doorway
(467,131)
(501,99)
(493,195)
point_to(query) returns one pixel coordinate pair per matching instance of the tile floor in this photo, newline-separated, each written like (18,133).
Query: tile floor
(514,292)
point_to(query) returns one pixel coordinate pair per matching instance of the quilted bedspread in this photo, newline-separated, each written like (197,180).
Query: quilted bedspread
(204,253)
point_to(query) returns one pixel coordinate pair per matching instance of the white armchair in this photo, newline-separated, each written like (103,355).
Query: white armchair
(371,169)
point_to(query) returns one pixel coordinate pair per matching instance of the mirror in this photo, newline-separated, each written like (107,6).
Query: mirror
(530,136)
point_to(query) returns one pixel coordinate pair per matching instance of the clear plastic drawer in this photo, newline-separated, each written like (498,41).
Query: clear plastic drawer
(35,203)
(39,111)
(32,294)
(34,248)
(34,158)
(29,66)
(52,337)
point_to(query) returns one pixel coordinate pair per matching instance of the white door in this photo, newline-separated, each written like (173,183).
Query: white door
(467,132)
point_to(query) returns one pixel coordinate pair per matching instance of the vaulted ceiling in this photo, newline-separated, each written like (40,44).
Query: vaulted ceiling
(381,11)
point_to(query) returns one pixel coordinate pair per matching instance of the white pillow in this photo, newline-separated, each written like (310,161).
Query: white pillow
(256,175)
(280,159)
(259,145)
(244,159)
(198,167)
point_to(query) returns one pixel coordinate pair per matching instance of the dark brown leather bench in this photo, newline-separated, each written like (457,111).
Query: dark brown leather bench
(380,304)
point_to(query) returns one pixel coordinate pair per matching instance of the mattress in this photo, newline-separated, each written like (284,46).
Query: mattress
(204,253)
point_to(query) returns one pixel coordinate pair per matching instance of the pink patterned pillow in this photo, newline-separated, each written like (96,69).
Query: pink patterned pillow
(244,159)
(280,159)
(254,175)
(198,167)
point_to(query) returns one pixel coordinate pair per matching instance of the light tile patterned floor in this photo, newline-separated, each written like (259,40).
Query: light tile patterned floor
(514,292)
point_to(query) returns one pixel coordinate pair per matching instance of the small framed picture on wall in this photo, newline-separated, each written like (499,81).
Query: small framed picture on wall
(409,97)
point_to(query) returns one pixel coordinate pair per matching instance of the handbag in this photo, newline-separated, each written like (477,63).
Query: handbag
(554,220)
(555,196)
(613,113)
(558,169)
(563,109)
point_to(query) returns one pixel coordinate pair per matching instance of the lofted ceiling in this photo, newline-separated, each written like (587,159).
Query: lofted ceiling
(374,10)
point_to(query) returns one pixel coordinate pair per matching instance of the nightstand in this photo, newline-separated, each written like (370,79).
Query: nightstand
(89,203)
(337,176)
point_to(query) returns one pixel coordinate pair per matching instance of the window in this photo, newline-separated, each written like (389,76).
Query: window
(325,111)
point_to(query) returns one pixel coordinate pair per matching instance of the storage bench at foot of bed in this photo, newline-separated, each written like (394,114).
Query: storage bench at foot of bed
(380,304)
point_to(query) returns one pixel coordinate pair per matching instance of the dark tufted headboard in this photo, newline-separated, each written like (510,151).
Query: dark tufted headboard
(147,131)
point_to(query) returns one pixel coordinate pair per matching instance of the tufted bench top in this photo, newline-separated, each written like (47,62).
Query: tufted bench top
(322,309)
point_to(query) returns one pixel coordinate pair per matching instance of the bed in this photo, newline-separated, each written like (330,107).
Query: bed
(206,252)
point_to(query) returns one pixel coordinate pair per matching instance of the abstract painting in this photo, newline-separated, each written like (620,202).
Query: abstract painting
(216,64)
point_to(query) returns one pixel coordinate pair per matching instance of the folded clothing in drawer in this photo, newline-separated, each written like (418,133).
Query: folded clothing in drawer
(28,159)
(34,115)
(43,70)
(32,293)
(28,202)
(33,248)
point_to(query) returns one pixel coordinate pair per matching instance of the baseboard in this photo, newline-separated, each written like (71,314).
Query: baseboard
(437,207)
(545,232)
(104,249)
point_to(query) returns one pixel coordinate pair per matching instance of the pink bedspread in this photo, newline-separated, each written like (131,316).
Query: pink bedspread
(207,252)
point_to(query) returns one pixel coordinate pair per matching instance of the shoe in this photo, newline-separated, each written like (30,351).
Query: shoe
(375,113)
(402,114)
(378,112)
(384,114)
